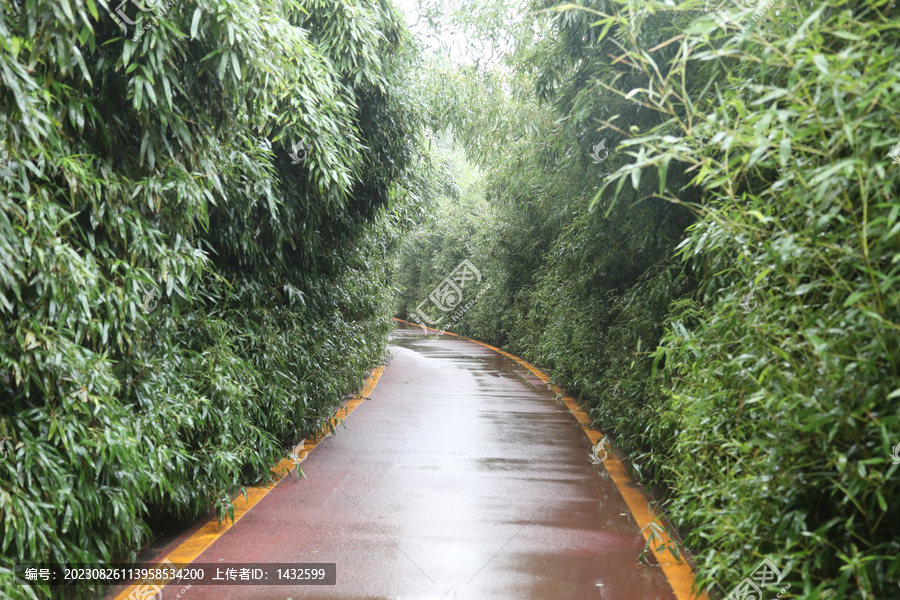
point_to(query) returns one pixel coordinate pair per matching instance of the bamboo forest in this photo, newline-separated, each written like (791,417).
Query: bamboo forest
(610,287)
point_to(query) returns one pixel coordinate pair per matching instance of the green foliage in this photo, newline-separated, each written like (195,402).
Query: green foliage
(789,406)
(156,172)
(755,163)
(450,233)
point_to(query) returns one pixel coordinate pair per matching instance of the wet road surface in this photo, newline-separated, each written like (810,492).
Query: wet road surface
(460,477)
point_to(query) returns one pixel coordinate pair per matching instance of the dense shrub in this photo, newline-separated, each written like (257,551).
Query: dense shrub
(739,163)
(185,290)
(791,407)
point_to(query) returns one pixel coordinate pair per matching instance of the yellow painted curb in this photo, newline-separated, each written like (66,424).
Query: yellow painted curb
(679,575)
(203,538)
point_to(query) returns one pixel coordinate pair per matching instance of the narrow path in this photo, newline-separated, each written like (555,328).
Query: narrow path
(459,477)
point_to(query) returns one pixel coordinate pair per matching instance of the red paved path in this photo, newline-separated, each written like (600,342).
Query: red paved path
(457,475)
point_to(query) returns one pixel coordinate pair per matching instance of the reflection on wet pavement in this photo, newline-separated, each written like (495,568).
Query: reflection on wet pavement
(458,475)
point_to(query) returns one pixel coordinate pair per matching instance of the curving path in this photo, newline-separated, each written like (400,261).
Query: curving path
(459,477)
